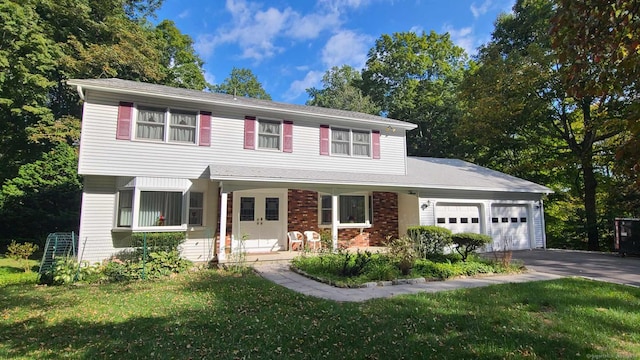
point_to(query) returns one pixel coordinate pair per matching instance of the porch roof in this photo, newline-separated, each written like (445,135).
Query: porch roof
(422,173)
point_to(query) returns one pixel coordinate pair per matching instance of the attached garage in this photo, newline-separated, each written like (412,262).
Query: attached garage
(458,217)
(510,226)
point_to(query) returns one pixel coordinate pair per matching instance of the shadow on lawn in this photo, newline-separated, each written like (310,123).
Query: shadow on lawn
(221,316)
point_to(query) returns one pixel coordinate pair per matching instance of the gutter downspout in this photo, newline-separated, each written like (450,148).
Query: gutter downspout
(80,92)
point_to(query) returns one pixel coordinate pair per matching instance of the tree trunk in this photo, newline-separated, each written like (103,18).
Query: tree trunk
(590,184)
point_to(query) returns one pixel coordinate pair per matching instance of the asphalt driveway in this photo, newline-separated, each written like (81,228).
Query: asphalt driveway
(594,265)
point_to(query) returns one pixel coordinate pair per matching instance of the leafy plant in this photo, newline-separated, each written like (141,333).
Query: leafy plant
(21,253)
(403,253)
(466,243)
(429,240)
(66,271)
(158,241)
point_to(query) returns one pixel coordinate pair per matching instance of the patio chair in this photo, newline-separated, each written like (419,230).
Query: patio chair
(313,237)
(295,237)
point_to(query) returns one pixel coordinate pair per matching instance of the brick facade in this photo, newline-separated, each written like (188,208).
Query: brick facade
(303,215)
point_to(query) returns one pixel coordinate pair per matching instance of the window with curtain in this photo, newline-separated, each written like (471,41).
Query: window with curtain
(340,141)
(196,206)
(150,123)
(160,208)
(351,209)
(268,134)
(361,143)
(125,208)
(182,127)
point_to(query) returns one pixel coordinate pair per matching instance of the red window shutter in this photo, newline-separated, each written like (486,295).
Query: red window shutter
(125,113)
(375,137)
(250,132)
(324,139)
(205,128)
(287,132)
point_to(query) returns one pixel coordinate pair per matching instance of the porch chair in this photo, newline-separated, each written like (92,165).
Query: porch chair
(313,237)
(295,237)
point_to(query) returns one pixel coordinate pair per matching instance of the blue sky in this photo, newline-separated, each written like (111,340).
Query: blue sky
(289,44)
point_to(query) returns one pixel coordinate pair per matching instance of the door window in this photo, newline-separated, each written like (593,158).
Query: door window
(247,208)
(272,209)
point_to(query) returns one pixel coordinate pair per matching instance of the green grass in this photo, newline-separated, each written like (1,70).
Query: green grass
(213,315)
(12,272)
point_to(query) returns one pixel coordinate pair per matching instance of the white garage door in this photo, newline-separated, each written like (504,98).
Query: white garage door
(510,227)
(458,217)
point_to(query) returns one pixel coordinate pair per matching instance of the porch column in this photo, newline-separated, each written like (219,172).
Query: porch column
(334,221)
(223,227)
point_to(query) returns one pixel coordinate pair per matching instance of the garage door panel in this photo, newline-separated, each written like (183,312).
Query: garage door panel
(458,218)
(510,226)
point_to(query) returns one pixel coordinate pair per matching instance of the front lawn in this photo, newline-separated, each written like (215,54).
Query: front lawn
(211,314)
(12,272)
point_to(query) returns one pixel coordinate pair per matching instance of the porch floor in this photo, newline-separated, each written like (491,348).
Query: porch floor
(285,257)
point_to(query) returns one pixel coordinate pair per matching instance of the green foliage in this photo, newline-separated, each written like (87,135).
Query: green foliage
(66,270)
(242,82)
(466,243)
(340,91)
(158,241)
(21,253)
(429,240)
(403,252)
(43,198)
(165,263)
(413,77)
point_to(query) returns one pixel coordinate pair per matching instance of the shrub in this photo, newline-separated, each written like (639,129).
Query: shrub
(466,243)
(164,263)
(21,253)
(158,241)
(381,269)
(429,240)
(403,253)
(65,271)
(354,264)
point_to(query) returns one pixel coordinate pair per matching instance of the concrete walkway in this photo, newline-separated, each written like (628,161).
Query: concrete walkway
(282,275)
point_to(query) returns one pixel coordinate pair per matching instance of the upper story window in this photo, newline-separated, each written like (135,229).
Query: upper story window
(163,124)
(269,134)
(349,142)
(152,124)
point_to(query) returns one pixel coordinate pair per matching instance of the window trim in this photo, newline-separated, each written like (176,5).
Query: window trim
(368,211)
(168,111)
(351,142)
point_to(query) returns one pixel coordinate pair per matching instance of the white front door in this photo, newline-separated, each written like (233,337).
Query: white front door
(260,216)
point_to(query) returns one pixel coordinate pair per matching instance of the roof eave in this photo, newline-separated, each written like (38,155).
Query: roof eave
(81,85)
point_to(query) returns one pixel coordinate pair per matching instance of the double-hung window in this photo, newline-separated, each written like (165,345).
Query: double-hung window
(352,209)
(269,134)
(169,125)
(350,142)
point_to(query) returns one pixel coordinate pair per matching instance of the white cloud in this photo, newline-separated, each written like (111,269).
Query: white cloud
(346,47)
(416,29)
(252,29)
(209,77)
(463,37)
(339,5)
(481,9)
(310,26)
(298,87)
(184,14)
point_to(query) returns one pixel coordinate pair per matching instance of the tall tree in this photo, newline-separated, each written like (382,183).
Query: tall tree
(598,44)
(242,82)
(414,78)
(341,91)
(517,96)
(43,43)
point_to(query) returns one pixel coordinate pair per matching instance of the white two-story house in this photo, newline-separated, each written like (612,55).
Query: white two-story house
(221,168)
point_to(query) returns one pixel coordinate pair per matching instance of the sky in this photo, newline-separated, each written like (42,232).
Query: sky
(290,44)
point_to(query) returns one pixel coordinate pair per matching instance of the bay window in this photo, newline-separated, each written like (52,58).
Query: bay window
(141,209)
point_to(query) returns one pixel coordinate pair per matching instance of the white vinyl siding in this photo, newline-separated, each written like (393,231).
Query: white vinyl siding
(102,154)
